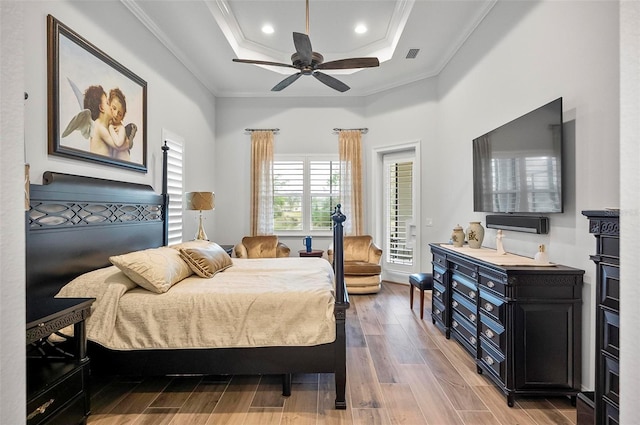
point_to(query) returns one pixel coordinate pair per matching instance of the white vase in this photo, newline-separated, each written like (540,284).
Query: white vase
(457,237)
(475,234)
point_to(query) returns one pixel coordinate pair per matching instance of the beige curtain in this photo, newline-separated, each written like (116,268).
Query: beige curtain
(261,183)
(350,149)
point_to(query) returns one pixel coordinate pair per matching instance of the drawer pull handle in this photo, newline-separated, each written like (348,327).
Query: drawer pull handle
(438,294)
(472,294)
(437,311)
(455,303)
(489,333)
(439,260)
(489,360)
(438,276)
(40,410)
(473,340)
(474,275)
(488,307)
(490,284)
(454,324)
(454,284)
(456,267)
(472,317)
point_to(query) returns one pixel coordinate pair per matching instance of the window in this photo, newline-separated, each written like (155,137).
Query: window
(305,192)
(398,211)
(174,187)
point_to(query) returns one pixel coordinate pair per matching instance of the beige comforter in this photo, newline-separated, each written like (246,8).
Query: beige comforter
(254,303)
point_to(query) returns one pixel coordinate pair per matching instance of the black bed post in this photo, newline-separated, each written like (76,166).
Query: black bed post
(165,195)
(340,311)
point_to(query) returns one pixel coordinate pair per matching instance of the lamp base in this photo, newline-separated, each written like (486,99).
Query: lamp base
(201,234)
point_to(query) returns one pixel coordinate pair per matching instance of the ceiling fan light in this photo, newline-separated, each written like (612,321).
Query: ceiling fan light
(360,29)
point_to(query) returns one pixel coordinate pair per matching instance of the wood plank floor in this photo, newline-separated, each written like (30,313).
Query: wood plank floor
(400,370)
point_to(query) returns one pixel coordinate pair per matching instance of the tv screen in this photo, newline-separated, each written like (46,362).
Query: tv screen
(517,168)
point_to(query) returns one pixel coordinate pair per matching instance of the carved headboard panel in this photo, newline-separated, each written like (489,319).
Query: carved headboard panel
(76,223)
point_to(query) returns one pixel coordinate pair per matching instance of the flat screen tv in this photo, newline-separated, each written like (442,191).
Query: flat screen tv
(517,168)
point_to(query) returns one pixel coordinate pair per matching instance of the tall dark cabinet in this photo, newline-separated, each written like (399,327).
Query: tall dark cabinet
(522,324)
(605,226)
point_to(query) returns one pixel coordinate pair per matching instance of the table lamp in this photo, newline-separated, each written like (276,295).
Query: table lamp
(200,201)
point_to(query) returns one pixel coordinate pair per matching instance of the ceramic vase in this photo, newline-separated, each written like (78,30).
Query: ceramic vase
(475,234)
(457,237)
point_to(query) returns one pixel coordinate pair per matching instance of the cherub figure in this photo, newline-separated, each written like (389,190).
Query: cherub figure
(94,120)
(122,135)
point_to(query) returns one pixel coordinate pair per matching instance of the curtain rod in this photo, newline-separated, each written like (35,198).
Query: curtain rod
(250,130)
(362,130)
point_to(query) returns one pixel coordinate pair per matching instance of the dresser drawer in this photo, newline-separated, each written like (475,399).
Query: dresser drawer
(53,397)
(73,413)
(495,282)
(438,273)
(494,333)
(439,259)
(492,360)
(611,332)
(465,332)
(437,311)
(438,292)
(492,306)
(610,286)
(464,286)
(611,413)
(610,368)
(465,268)
(464,307)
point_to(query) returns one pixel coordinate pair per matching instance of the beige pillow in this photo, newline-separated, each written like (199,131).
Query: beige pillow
(197,243)
(206,261)
(155,269)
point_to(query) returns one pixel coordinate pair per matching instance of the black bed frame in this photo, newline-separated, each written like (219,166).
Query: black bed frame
(76,223)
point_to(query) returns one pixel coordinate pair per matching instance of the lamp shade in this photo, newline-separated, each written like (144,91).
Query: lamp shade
(200,200)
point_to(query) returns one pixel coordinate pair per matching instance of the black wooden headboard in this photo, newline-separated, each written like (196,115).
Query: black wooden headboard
(76,223)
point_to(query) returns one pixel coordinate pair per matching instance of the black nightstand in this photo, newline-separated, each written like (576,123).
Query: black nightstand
(228,248)
(57,371)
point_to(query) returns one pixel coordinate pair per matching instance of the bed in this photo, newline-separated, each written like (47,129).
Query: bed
(76,224)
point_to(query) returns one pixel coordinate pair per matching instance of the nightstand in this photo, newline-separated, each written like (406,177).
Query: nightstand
(228,248)
(57,370)
(314,253)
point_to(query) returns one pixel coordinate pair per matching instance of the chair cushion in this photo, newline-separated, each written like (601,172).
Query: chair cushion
(356,248)
(361,268)
(421,280)
(261,246)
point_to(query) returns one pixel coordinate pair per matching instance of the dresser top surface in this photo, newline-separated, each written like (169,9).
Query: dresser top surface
(40,310)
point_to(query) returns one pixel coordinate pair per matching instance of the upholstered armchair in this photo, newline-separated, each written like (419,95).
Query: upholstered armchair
(361,264)
(261,247)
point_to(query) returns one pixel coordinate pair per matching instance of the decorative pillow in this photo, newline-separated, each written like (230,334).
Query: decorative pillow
(206,261)
(197,243)
(155,269)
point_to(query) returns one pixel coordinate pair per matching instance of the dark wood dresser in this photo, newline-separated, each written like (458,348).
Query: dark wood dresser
(522,324)
(605,226)
(57,369)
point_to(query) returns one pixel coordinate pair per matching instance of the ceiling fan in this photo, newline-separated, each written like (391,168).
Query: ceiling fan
(308,62)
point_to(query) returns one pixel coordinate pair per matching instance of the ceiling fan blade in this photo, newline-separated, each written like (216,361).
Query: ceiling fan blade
(331,82)
(286,82)
(303,47)
(257,62)
(350,63)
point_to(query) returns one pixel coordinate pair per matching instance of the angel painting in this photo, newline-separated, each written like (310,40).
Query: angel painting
(100,121)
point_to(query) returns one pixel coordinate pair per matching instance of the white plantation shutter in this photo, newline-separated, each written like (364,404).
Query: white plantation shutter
(305,192)
(399,211)
(175,188)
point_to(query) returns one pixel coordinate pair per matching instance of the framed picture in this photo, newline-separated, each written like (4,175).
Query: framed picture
(97,108)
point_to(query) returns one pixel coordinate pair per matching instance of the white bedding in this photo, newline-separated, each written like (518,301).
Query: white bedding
(254,303)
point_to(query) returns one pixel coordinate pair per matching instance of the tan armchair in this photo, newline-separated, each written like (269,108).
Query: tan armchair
(361,264)
(261,247)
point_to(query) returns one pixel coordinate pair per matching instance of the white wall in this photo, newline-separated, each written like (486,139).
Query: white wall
(12,287)
(306,127)
(176,101)
(630,216)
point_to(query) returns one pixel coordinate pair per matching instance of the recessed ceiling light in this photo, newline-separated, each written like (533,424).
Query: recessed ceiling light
(360,29)
(267,29)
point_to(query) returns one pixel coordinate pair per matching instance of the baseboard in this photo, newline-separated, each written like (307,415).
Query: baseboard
(518,223)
